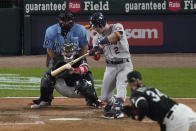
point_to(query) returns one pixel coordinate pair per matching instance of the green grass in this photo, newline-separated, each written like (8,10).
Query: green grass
(175,82)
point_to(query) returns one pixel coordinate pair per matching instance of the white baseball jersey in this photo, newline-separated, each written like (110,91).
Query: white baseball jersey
(115,75)
(118,50)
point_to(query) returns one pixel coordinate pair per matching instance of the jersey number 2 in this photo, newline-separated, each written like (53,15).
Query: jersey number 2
(116,50)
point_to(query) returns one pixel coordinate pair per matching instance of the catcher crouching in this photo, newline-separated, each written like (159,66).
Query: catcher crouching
(76,82)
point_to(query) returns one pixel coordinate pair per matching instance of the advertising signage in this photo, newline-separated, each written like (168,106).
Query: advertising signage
(110,6)
(139,33)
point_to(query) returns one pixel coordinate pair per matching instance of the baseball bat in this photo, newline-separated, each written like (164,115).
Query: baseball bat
(88,27)
(67,66)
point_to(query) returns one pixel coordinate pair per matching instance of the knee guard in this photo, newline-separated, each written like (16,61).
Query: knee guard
(47,87)
(84,87)
(89,77)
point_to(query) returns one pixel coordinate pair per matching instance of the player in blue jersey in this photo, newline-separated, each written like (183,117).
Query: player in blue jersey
(56,36)
(65,30)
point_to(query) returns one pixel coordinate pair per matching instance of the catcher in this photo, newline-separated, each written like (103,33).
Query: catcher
(75,82)
(150,102)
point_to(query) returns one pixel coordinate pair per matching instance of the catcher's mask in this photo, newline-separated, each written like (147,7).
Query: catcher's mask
(68,51)
(135,78)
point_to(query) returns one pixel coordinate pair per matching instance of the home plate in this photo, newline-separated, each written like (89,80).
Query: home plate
(65,119)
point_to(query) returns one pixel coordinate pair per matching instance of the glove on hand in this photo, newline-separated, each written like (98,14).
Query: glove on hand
(94,51)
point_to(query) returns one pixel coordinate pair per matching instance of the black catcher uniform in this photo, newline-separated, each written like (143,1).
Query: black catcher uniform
(79,81)
(77,76)
(150,102)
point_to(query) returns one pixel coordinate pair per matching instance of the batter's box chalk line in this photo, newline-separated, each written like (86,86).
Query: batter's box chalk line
(33,123)
(65,119)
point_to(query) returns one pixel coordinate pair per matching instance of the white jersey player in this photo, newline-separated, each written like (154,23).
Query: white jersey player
(111,38)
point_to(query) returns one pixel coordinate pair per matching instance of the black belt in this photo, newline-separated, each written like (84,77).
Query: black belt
(117,62)
(170,112)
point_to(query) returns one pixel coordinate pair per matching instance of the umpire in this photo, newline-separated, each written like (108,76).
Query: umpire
(150,102)
(56,35)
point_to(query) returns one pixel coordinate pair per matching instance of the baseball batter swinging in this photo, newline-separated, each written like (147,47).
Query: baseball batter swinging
(111,38)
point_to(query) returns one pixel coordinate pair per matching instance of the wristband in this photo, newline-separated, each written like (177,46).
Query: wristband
(81,69)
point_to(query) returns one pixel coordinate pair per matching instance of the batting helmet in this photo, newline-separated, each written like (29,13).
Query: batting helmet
(66,16)
(97,19)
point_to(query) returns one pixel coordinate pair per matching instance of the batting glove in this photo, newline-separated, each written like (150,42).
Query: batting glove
(104,41)
(94,51)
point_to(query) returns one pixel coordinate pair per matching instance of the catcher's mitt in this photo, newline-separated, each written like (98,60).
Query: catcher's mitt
(131,111)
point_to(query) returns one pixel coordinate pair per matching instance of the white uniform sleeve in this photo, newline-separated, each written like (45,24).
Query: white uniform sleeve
(95,40)
(118,27)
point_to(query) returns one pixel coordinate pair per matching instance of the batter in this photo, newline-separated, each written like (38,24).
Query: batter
(111,38)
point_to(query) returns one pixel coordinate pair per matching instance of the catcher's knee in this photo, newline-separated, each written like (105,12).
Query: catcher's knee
(44,83)
(83,86)
(47,81)
(46,88)
(65,90)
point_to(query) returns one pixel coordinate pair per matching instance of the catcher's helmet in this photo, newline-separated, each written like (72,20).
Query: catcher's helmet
(66,16)
(68,47)
(97,19)
(133,76)
(68,51)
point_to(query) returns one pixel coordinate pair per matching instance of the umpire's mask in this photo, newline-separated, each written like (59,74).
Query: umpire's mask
(68,51)
(66,22)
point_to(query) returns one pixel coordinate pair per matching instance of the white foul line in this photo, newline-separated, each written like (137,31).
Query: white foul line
(34,123)
(65,119)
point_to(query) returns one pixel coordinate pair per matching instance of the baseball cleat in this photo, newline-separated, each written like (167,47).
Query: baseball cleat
(113,115)
(107,108)
(97,104)
(29,104)
(40,105)
(35,106)
(37,101)
(101,105)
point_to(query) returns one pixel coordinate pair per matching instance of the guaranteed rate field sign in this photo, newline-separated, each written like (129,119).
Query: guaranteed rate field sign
(111,6)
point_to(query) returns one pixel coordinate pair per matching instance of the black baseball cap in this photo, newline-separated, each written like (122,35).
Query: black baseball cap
(134,75)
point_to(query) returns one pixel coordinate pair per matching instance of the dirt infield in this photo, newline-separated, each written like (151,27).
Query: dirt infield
(15,115)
